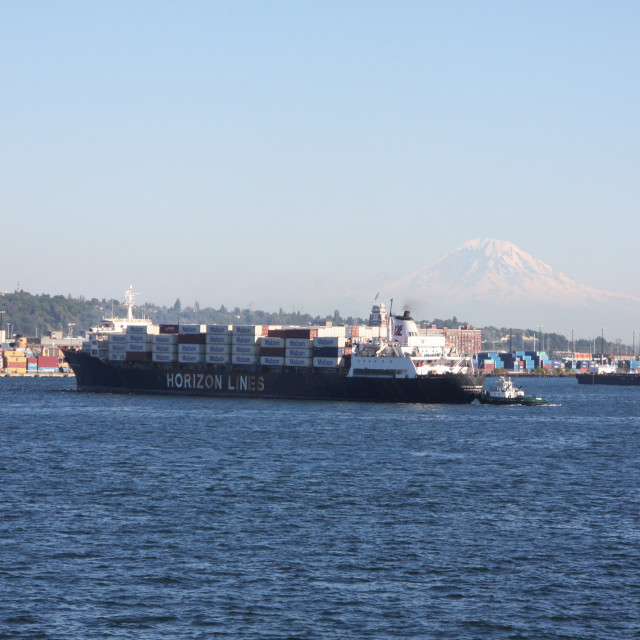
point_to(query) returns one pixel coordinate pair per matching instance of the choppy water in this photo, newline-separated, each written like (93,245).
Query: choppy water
(150,517)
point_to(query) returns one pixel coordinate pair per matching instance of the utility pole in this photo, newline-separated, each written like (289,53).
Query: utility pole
(573,345)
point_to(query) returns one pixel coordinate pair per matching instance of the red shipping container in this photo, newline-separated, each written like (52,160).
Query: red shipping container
(192,338)
(48,361)
(274,352)
(169,328)
(142,356)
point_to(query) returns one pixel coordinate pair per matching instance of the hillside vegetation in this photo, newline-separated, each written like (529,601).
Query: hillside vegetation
(34,315)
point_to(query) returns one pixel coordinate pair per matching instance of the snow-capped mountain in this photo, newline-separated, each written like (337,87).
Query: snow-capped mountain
(487,281)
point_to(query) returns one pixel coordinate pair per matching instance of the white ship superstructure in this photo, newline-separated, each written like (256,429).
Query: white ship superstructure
(407,353)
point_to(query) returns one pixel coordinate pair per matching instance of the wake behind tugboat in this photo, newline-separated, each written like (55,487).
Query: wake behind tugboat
(390,360)
(504,392)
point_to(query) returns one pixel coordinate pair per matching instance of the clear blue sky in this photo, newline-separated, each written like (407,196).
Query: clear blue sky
(267,152)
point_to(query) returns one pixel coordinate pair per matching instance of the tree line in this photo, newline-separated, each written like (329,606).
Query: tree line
(33,315)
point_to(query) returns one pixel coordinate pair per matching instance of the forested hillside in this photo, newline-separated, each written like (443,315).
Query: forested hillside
(34,315)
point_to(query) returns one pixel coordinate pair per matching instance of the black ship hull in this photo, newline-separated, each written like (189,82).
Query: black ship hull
(93,374)
(614,379)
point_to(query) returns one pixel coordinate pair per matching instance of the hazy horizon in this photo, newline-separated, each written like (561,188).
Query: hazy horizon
(277,153)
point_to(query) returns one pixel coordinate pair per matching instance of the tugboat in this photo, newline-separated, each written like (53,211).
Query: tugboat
(505,393)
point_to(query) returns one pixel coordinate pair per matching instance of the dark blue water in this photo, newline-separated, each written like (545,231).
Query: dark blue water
(151,517)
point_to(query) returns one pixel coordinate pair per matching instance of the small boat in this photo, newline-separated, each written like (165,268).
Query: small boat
(505,393)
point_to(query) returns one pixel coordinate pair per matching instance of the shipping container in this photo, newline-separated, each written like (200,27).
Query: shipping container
(139,338)
(191,348)
(192,338)
(189,329)
(114,338)
(275,352)
(272,343)
(298,362)
(290,352)
(335,341)
(191,358)
(48,369)
(244,339)
(168,329)
(222,338)
(48,361)
(245,349)
(217,358)
(132,356)
(293,333)
(250,329)
(328,352)
(163,357)
(218,329)
(164,338)
(117,348)
(327,362)
(272,361)
(218,348)
(118,357)
(298,343)
(142,329)
(138,347)
(164,348)
(244,359)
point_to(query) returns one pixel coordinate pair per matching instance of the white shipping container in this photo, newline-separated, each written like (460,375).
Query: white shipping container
(191,348)
(298,353)
(303,343)
(333,341)
(163,357)
(327,362)
(272,343)
(218,348)
(250,329)
(218,329)
(165,338)
(298,362)
(138,347)
(137,329)
(244,339)
(191,328)
(139,338)
(117,338)
(117,348)
(222,338)
(217,358)
(245,349)
(191,358)
(273,361)
(242,359)
(164,348)
(120,357)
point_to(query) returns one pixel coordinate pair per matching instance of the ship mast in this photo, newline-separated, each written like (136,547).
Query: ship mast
(129,297)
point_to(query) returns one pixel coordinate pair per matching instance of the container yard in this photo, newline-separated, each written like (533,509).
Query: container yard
(26,362)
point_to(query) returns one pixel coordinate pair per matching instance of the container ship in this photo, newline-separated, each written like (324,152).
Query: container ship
(616,379)
(390,360)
